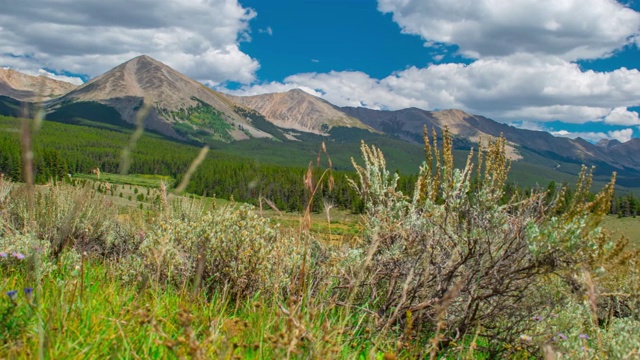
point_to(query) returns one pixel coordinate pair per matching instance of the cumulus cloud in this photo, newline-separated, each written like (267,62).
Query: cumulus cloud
(199,38)
(571,29)
(623,135)
(621,116)
(514,88)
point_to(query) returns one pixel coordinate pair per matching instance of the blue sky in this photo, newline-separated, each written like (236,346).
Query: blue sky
(565,66)
(292,37)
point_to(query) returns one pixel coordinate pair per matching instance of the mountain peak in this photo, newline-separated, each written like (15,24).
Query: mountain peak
(172,95)
(148,78)
(144,57)
(608,143)
(297,91)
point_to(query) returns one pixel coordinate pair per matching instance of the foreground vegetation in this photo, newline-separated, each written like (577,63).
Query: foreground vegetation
(453,271)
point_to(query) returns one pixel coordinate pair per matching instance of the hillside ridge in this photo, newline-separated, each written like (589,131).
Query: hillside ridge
(24,87)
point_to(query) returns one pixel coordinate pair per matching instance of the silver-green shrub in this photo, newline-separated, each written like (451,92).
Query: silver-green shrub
(231,248)
(59,215)
(570,332)
(62,215)
(456,260)
(52,225)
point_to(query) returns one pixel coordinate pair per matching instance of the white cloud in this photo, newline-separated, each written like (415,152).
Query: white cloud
(528,125)
(518,87)
(571,29)
(623,135)
(621,116)
(199,38)
(70,79)
(268,30)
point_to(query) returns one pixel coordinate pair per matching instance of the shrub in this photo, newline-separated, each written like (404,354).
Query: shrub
(230,248)
(453,261)
(61,215)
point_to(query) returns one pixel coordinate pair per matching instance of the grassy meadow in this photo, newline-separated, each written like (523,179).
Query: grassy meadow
(626,226)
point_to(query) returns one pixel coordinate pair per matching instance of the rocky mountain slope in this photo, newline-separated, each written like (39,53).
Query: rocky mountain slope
(298,110)
(25,87)
(408,124)
(179,106)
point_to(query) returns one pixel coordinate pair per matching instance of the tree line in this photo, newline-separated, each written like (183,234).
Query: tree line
(62,149)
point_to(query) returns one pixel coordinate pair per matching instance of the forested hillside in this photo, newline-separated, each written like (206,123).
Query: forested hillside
(62,149)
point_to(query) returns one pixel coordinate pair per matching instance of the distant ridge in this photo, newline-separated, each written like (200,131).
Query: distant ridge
(408,124)
(298,110)
(23,87)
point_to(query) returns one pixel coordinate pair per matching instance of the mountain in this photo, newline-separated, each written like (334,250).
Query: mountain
(607,143)
(184,109)
(180,107)
(298,110)
(25,87)
(408,124)
(628,153)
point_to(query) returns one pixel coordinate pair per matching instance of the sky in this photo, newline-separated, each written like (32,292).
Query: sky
(570,67)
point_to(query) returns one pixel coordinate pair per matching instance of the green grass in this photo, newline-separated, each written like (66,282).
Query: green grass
(88,312)
(627,226)
(145,180)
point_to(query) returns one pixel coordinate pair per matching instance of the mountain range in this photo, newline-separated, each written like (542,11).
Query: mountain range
(185,110)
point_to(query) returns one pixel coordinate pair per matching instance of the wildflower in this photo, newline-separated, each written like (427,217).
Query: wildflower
(526,338)
(12,294)
(537,318)
(584,336)
(586,348)
(18,255)
(4,255)
(562,336)
(28,291)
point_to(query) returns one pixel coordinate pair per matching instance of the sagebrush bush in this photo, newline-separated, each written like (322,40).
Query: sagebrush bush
(570,331)
(231,248)
(55,223)
(455,260)
(62,215)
